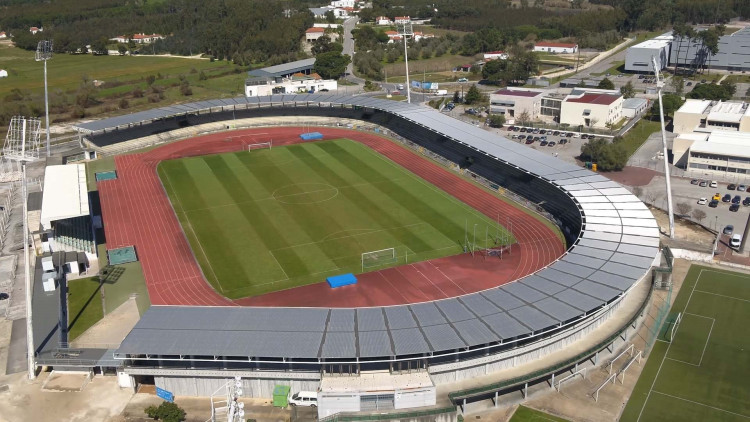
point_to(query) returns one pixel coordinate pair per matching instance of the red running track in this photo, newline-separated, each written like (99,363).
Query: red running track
(137,212)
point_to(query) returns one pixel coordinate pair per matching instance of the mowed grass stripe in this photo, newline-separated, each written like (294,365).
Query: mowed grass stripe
(442,221)
(272,178)
(268,233)
(223,267)
(376,211)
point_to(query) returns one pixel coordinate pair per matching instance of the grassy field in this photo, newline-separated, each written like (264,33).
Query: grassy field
(525,414)
(272,219)
(639,134)
(702,374)
(84,305)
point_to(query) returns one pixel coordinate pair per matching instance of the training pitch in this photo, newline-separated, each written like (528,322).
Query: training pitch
(269,219)
(702,375)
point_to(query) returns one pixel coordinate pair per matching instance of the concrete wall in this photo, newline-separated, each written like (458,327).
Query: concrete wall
(680,151)
(686,122)
(638,59)
(206,386)
(405,399)
(332,403)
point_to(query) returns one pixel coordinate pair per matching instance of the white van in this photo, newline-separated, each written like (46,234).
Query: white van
(304,398)
(736,240)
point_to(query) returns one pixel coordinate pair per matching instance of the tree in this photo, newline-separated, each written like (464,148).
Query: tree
(606,84)
(724,91)
(497,120)
(683,208)
(99,47)
(607,156)
(473,95)
(124,103)
(330,17)
(524,118)
(456,97)
(627,90)
(324,45)
(699,214)
(678,84)
(166,411)
(495,71)
(331,65)
(122,49)
(671,104)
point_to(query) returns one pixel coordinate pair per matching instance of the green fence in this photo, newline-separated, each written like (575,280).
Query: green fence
(545,372)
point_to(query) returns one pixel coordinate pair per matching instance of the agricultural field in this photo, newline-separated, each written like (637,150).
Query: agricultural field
(274,218)
(697,369)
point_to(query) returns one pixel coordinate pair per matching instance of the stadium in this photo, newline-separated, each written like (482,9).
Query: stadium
(441,329)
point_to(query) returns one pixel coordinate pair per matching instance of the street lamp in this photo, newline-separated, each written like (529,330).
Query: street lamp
(44,53)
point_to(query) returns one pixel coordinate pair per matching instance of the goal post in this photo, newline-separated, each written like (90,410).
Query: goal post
(260,145)
(675,325)
(378,258)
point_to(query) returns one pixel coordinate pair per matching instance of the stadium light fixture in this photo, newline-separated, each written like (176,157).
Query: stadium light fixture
(44,53)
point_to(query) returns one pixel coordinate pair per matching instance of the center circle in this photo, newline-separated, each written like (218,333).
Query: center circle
(305,193)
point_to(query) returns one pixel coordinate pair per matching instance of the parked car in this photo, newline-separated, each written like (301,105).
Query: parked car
(543,143)
(741,188)
(463,80)
(536,131)
(521,137)
(736,241)
(4,296)
(689,83)
(569,135)
(529,141)
(543,132)
(702,201)
(737,199)
(511,128)
(523,129)
(726,198)
(716,197)
(563,141)
(584,136)
(746,202)
(575,135)
(556,132)
(713,184)
(731,186)
(703,183)
(694,182)
(514,137)
(734,207)
(713,204)
(551,144)
(728,229)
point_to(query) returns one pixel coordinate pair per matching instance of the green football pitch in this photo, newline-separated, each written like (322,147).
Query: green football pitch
(269,219)
(702,375)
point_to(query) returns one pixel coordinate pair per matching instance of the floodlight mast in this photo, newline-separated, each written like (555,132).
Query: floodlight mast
(659,88)
(405,29)
(44,53)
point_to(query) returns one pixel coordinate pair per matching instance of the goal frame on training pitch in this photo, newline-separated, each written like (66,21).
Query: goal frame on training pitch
(389,260)
(259,145)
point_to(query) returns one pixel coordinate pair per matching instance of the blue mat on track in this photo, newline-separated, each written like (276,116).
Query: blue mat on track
(309,136)
(341,280)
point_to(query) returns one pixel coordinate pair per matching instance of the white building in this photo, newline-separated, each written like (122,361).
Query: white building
(706,116)
(3,35)
(343,3)
(383,20)
(34,30)
(401,19)
(3,73)
(320,12)
(494,55)
(638,57)
(594,108)
(375,391)
(138,38)
(720,152)
(512,102)
(296,84)
(327,25)
(632,107)
(555,47)
(314,33)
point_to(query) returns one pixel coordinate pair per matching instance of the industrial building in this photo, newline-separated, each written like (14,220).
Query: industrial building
(706,116)
(732,55)
(638,57)
(296,84)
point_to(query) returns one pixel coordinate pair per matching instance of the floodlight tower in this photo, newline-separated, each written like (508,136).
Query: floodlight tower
(22,146)
(659,88)
(44,53)
(405,29)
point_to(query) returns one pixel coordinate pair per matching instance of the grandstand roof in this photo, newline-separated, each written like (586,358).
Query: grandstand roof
(65,193)
(283,69)
(614,252)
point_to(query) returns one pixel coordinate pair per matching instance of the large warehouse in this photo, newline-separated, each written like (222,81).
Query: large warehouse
(732,55)
(638,57)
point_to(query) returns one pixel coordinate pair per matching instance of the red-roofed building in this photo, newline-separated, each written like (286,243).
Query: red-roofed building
(34,30)
(314,33)
(555,47)
(591,108)
(402,19)
(3,35)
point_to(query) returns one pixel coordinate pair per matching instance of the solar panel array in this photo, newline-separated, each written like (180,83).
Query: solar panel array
(616,248)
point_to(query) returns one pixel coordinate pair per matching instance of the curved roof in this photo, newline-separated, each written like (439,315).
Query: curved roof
(616,247)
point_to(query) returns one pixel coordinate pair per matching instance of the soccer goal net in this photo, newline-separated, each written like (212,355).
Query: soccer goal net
(673,329)
(260,145)
(379,258)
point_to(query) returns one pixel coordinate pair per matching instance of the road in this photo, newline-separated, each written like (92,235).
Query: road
(350,24)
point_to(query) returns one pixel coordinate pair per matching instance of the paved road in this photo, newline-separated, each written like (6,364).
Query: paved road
(350,24)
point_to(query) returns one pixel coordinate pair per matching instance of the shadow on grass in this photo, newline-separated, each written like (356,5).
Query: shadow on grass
(110,274)
(94,294)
